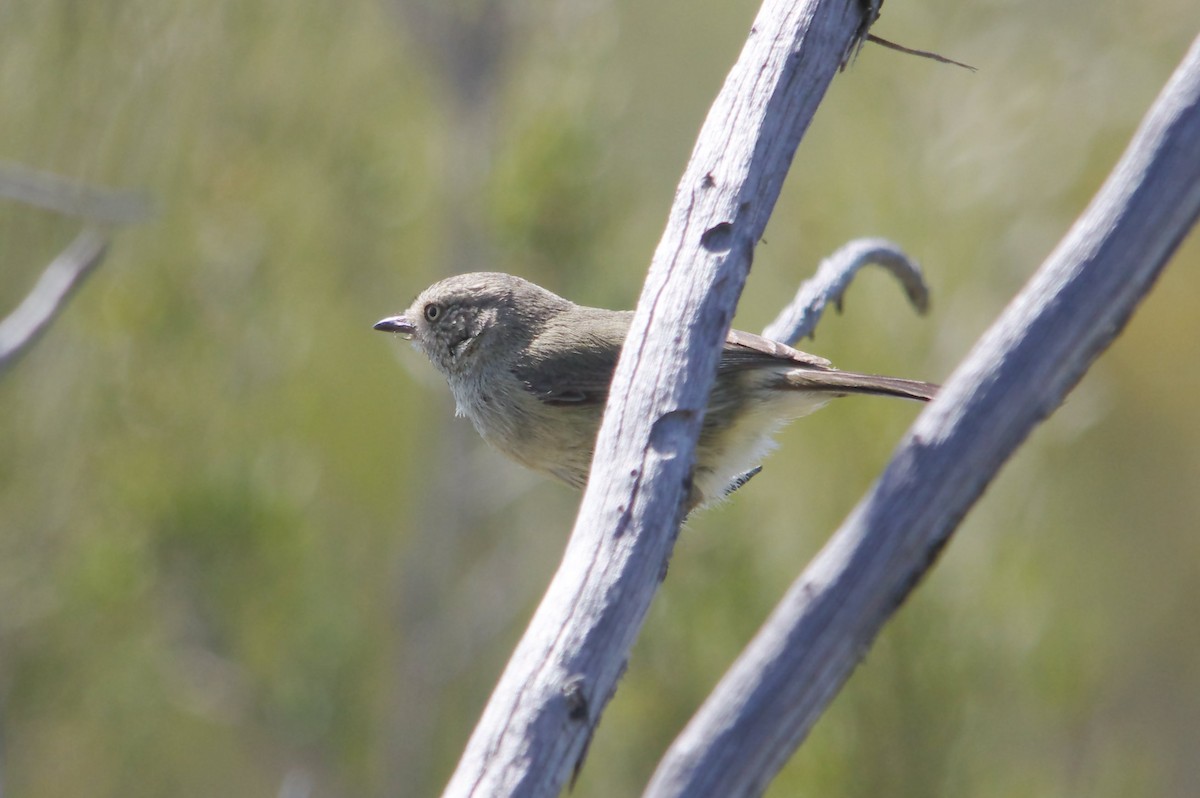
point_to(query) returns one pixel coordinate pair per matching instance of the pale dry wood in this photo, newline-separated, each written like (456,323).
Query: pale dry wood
(42,305)
(834,275)
(67,197)
(537,724)
(1015,376)
(99,206)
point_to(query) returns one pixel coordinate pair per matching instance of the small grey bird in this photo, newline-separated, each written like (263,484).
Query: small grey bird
(531,371)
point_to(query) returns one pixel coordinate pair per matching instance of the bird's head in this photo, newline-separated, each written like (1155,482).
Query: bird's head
(469,318)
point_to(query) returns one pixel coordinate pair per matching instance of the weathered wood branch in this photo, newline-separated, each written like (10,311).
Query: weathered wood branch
(42,305)
(97,204)
(540,717)
(834,275)
(59,281)
(1015,376)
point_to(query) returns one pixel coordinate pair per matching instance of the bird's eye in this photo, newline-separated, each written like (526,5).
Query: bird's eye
(433,311)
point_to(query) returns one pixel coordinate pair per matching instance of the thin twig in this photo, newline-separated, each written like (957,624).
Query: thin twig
(941,59)
(799,319)
(71,198)
(21,328)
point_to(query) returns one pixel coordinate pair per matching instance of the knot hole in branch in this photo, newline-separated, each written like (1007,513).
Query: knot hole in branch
(718,238)
(669,430)
(577,703)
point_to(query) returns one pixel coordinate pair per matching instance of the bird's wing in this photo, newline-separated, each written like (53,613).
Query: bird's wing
(745,350)
(572,362)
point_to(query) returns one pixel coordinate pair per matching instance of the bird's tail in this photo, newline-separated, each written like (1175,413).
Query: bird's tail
(847,382)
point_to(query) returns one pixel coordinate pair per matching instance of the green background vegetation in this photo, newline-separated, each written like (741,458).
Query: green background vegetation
(246,549)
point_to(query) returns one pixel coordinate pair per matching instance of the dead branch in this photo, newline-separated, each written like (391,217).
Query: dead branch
(834,275)
(41,306)
(1016,375)
(540,717)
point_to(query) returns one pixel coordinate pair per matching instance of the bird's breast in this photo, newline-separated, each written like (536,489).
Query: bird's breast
(554,440)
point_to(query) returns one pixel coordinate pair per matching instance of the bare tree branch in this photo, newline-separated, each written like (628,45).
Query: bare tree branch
(71,198)
(1016,375)
(21,328)
(541,715)
(102,206)
(799,319)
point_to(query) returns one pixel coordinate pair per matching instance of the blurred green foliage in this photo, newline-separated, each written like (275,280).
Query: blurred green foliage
(245,548)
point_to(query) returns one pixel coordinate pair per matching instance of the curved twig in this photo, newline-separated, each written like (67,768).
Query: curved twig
(799,319)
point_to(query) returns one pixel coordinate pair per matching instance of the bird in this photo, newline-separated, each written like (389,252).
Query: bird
(531,371)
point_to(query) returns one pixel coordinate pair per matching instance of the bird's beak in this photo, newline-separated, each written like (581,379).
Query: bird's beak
(397,324)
